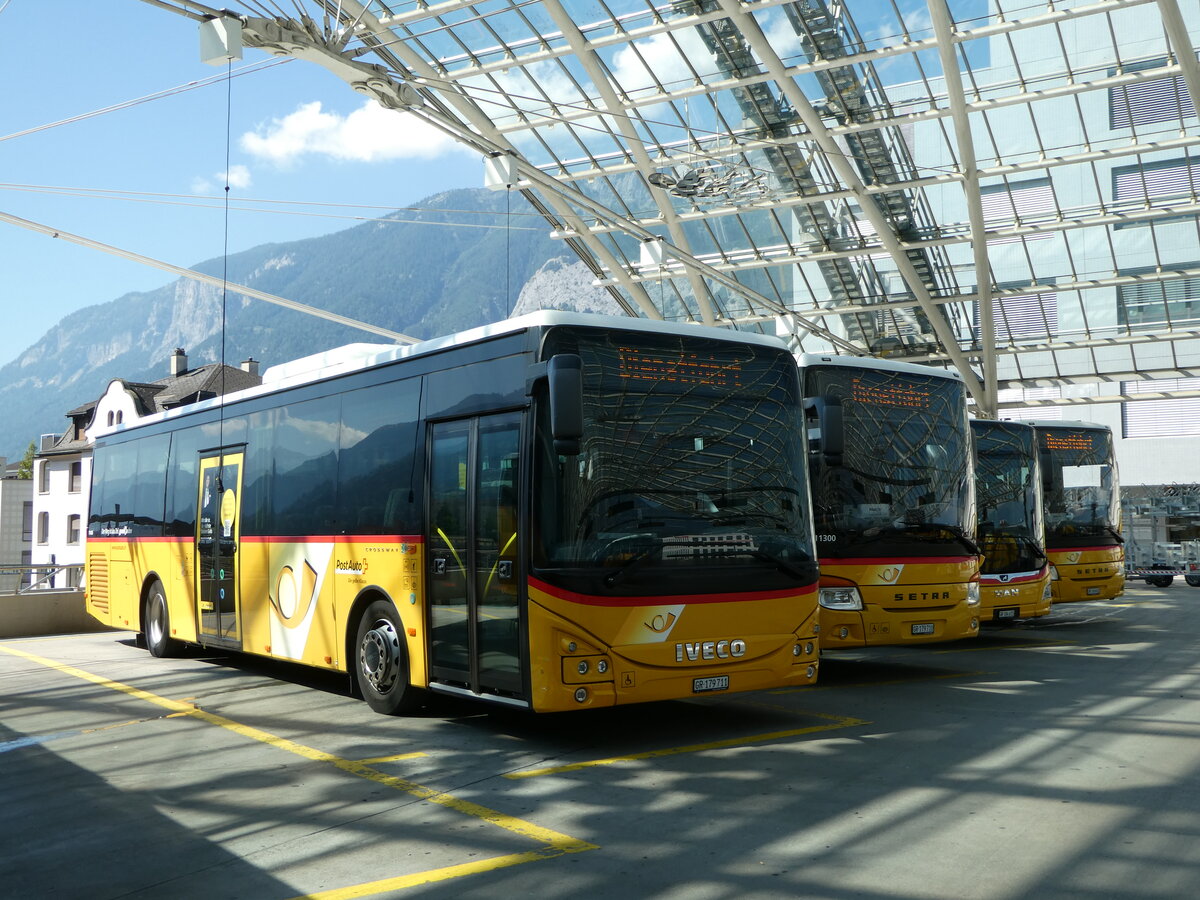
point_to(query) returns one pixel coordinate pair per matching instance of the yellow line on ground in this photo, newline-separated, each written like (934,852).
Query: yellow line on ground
(858,684)
(555,843)
(846,722)
(376,760)
(431,876)
(1006,645)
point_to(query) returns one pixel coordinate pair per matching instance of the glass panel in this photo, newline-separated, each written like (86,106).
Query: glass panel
(690,476)
(448,548)
(498,624)
(1079,481)
(905,482)
(218,530)
(1008,497)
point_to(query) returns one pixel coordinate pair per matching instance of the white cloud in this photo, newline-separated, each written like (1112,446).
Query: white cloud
(238,176)
(369,134)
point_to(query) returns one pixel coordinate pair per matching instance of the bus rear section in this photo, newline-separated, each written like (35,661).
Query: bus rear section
(1014,581)
(1081,498)
(893,500)
(559,512)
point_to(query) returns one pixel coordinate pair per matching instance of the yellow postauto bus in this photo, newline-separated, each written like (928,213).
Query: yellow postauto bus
(1014,582)
(558,512)
(1082,503)
(893,499)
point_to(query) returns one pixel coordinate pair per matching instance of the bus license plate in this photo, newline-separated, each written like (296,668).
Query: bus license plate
(1092,592)
(1010,613)
(923,628)
(713,683)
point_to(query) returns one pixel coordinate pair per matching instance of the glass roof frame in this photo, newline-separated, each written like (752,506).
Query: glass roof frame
(775,166)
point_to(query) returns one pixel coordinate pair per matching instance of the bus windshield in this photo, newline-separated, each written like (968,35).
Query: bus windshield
(690,477)
(1008,495)
(1080,488)
(904,484)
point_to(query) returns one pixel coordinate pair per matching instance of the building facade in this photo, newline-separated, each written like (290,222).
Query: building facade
(62,476)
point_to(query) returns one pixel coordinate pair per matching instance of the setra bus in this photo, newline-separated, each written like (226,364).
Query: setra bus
(1082,503)
(558,512)
(893,486)
(1014,580)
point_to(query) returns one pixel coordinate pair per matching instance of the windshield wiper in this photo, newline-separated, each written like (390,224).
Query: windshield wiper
(1116,534)
(807,573)
(961,536)
(629,565)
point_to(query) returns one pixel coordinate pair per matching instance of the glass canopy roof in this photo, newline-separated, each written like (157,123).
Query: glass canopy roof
(839,174)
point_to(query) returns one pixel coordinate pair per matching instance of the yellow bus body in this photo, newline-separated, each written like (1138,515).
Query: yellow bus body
(1006,597)
(905,601)
(1087,573)
(295,598)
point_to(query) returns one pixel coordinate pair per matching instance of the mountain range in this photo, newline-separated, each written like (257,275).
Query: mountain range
(456,260)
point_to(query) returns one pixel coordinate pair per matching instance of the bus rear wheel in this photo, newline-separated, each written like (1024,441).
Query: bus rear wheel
(156,623)
(381,662)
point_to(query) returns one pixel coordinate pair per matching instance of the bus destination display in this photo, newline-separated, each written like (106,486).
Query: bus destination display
(681,368)
(892,393)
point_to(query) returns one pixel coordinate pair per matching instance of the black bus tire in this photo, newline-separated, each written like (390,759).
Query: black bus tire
(156,623)
(381,662)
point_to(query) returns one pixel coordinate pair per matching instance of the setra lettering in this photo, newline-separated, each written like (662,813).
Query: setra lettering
(922,595)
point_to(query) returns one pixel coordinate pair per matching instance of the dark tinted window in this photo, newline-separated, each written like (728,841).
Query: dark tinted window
(306,436)
(375,491)
(181,483)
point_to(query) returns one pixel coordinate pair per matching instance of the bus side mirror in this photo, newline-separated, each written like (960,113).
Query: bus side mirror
(565,371)
(826,412)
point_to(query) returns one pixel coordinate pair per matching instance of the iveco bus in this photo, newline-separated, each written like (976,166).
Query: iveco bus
(1082,504)
(558,512)
(893,499)
(1014,582)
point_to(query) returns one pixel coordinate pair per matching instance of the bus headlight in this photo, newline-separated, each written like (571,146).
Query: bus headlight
(840,598)
(972,593)
(1047,592)
(1054,573)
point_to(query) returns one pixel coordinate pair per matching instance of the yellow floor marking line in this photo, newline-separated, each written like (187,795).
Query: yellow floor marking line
(857,684)
(555,843)
(1006,645)
(431,876)
(376,760)
(839,722)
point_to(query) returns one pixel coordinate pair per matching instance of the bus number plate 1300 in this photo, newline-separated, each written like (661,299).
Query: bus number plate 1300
(713,683)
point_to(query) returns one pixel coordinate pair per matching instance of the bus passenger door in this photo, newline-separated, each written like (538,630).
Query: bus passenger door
(473,561)
(218,529)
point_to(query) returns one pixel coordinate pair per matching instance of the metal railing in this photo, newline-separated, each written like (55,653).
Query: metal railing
(26,578)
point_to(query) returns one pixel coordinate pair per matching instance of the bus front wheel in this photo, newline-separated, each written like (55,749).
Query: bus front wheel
(381,662)
(156,623)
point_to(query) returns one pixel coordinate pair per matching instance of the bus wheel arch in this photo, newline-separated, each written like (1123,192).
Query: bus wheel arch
(156,620)
(378,657)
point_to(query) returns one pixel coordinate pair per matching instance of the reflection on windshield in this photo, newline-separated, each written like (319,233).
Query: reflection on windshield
(904,484)
(1008,497)
(691,460)
(1079,477)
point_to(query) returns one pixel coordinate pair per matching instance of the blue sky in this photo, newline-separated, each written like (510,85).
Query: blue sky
(297,134)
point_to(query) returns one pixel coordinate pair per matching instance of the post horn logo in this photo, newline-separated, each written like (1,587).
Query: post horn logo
(890,574)
(661,624)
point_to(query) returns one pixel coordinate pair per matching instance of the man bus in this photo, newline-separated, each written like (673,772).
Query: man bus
(1014,581)
(894,501)
(558,512)
(1082,504)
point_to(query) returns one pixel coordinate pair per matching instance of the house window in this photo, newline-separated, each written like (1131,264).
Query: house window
(110,417)
(76,476)
(43,535)
(44,477)
(27,521)
(120,416)
(72,529)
